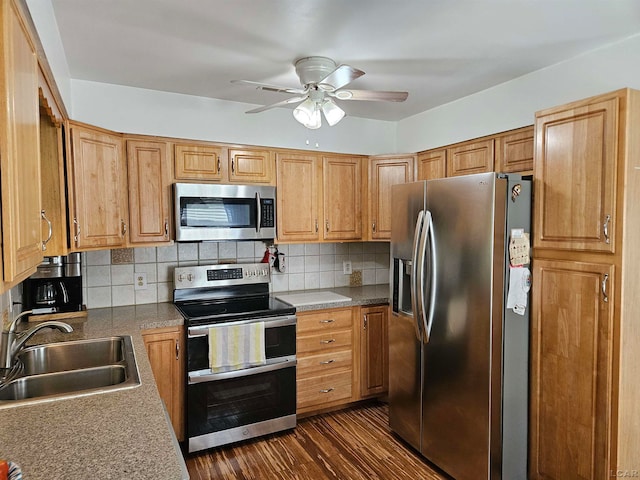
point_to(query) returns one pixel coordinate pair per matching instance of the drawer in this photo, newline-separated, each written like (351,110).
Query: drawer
(324,363)
(325,341)
(324,320)
(325,389)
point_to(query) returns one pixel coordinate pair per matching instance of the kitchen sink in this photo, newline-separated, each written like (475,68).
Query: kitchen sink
(71,369)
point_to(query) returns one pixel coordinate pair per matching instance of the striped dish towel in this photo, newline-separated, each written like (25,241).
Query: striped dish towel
(235,347)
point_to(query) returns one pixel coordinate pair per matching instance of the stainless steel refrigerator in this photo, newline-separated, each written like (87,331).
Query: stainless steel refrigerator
(458,359)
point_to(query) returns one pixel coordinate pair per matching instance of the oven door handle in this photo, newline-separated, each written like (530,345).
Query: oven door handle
(193,379)
(203,330)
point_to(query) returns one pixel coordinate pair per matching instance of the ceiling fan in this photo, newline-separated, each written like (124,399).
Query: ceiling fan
(323,82)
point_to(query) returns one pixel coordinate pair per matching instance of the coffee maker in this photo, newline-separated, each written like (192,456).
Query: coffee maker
(56,286)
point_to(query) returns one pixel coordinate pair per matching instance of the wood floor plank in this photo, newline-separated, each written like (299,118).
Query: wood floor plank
(351,444)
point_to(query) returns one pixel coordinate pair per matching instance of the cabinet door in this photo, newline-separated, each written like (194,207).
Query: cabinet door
(99,186)
(470,157)
(19,149)
(575,177)
(148,166)
(164,348)
(514,152)
(374,356)
(342,193)
(571,376)
(251,166)
(297,197)
(432,164)
(383,173)
(199,162)
(54,202)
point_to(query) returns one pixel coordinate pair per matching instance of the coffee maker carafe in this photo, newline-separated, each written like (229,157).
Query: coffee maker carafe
(57,285)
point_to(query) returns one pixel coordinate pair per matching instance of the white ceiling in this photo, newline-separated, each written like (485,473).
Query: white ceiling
(437,50)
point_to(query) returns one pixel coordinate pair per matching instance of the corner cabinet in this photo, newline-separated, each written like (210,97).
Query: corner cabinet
(374,351)
(19,149)
(385,171)
(165,348)
(97,188)
(149,182)
(585,339)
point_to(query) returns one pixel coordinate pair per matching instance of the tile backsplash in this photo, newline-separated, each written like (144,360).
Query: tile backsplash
(108,276)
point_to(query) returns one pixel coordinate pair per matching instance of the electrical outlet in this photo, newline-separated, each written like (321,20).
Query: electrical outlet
(140,281)
(346,267)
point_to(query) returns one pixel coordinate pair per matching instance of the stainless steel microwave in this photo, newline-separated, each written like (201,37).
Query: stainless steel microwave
(224,212)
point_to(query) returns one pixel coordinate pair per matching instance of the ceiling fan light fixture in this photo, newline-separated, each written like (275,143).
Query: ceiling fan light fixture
(308,114)
(332,112)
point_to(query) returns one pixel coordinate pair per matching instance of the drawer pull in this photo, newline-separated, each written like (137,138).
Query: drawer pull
(328,341)
(331,320)
(327,362)
(327,390)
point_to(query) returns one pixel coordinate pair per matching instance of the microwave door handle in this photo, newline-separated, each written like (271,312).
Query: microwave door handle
(258,213)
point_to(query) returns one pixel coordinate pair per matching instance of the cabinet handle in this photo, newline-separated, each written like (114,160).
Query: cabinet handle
(233,169)
(316,225)
(44,217)
(327,390)
(605,228)
(328,341)
(177,349)
(124,227)
(218,164)
(366,320)
(331,320)
(373,227)
(605,296)
(327,362)
(166,228)
(76,237)
(326,226)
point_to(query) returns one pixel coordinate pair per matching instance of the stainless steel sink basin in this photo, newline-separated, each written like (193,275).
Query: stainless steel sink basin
(62,356)
(70,369)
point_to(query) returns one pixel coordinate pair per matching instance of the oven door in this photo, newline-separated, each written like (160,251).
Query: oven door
(233,406)
(224,212)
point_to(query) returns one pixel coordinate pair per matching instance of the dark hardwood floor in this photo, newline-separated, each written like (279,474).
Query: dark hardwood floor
(355,443)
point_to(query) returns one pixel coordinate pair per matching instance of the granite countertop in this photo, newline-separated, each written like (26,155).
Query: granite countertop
(365,295)
(111,435)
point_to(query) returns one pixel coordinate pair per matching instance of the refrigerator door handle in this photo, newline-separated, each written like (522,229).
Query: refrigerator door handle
(415,269)
(421,260)
(432,283)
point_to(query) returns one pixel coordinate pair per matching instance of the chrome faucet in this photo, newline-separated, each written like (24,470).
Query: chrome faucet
(12,342)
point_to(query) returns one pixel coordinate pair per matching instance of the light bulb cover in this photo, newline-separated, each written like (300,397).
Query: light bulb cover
(332,112)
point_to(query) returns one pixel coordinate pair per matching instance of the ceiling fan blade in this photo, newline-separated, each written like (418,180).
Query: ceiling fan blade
(270,88)
(371,95)
(279,104)
(340,77)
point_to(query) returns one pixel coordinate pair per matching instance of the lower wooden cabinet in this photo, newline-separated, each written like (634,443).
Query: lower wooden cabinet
(325,354)
(165,348)
(374,351)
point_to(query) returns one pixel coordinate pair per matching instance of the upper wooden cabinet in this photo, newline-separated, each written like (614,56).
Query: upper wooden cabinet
(149,180)
(19,149)
(318,198)
(575,171)
(385,171)
(298,197)
(220,163)
(342,194)
(97,188)
(470,157)
(514,151)
(432,164)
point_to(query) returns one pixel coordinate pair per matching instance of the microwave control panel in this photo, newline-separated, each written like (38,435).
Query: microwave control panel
(267,208)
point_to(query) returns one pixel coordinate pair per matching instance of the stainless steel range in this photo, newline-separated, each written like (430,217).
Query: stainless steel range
(228,405)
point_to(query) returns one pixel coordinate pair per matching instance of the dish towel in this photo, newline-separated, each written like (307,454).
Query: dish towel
(235,347)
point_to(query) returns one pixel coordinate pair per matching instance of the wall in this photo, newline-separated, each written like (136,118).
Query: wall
(513,104)
(108,275)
